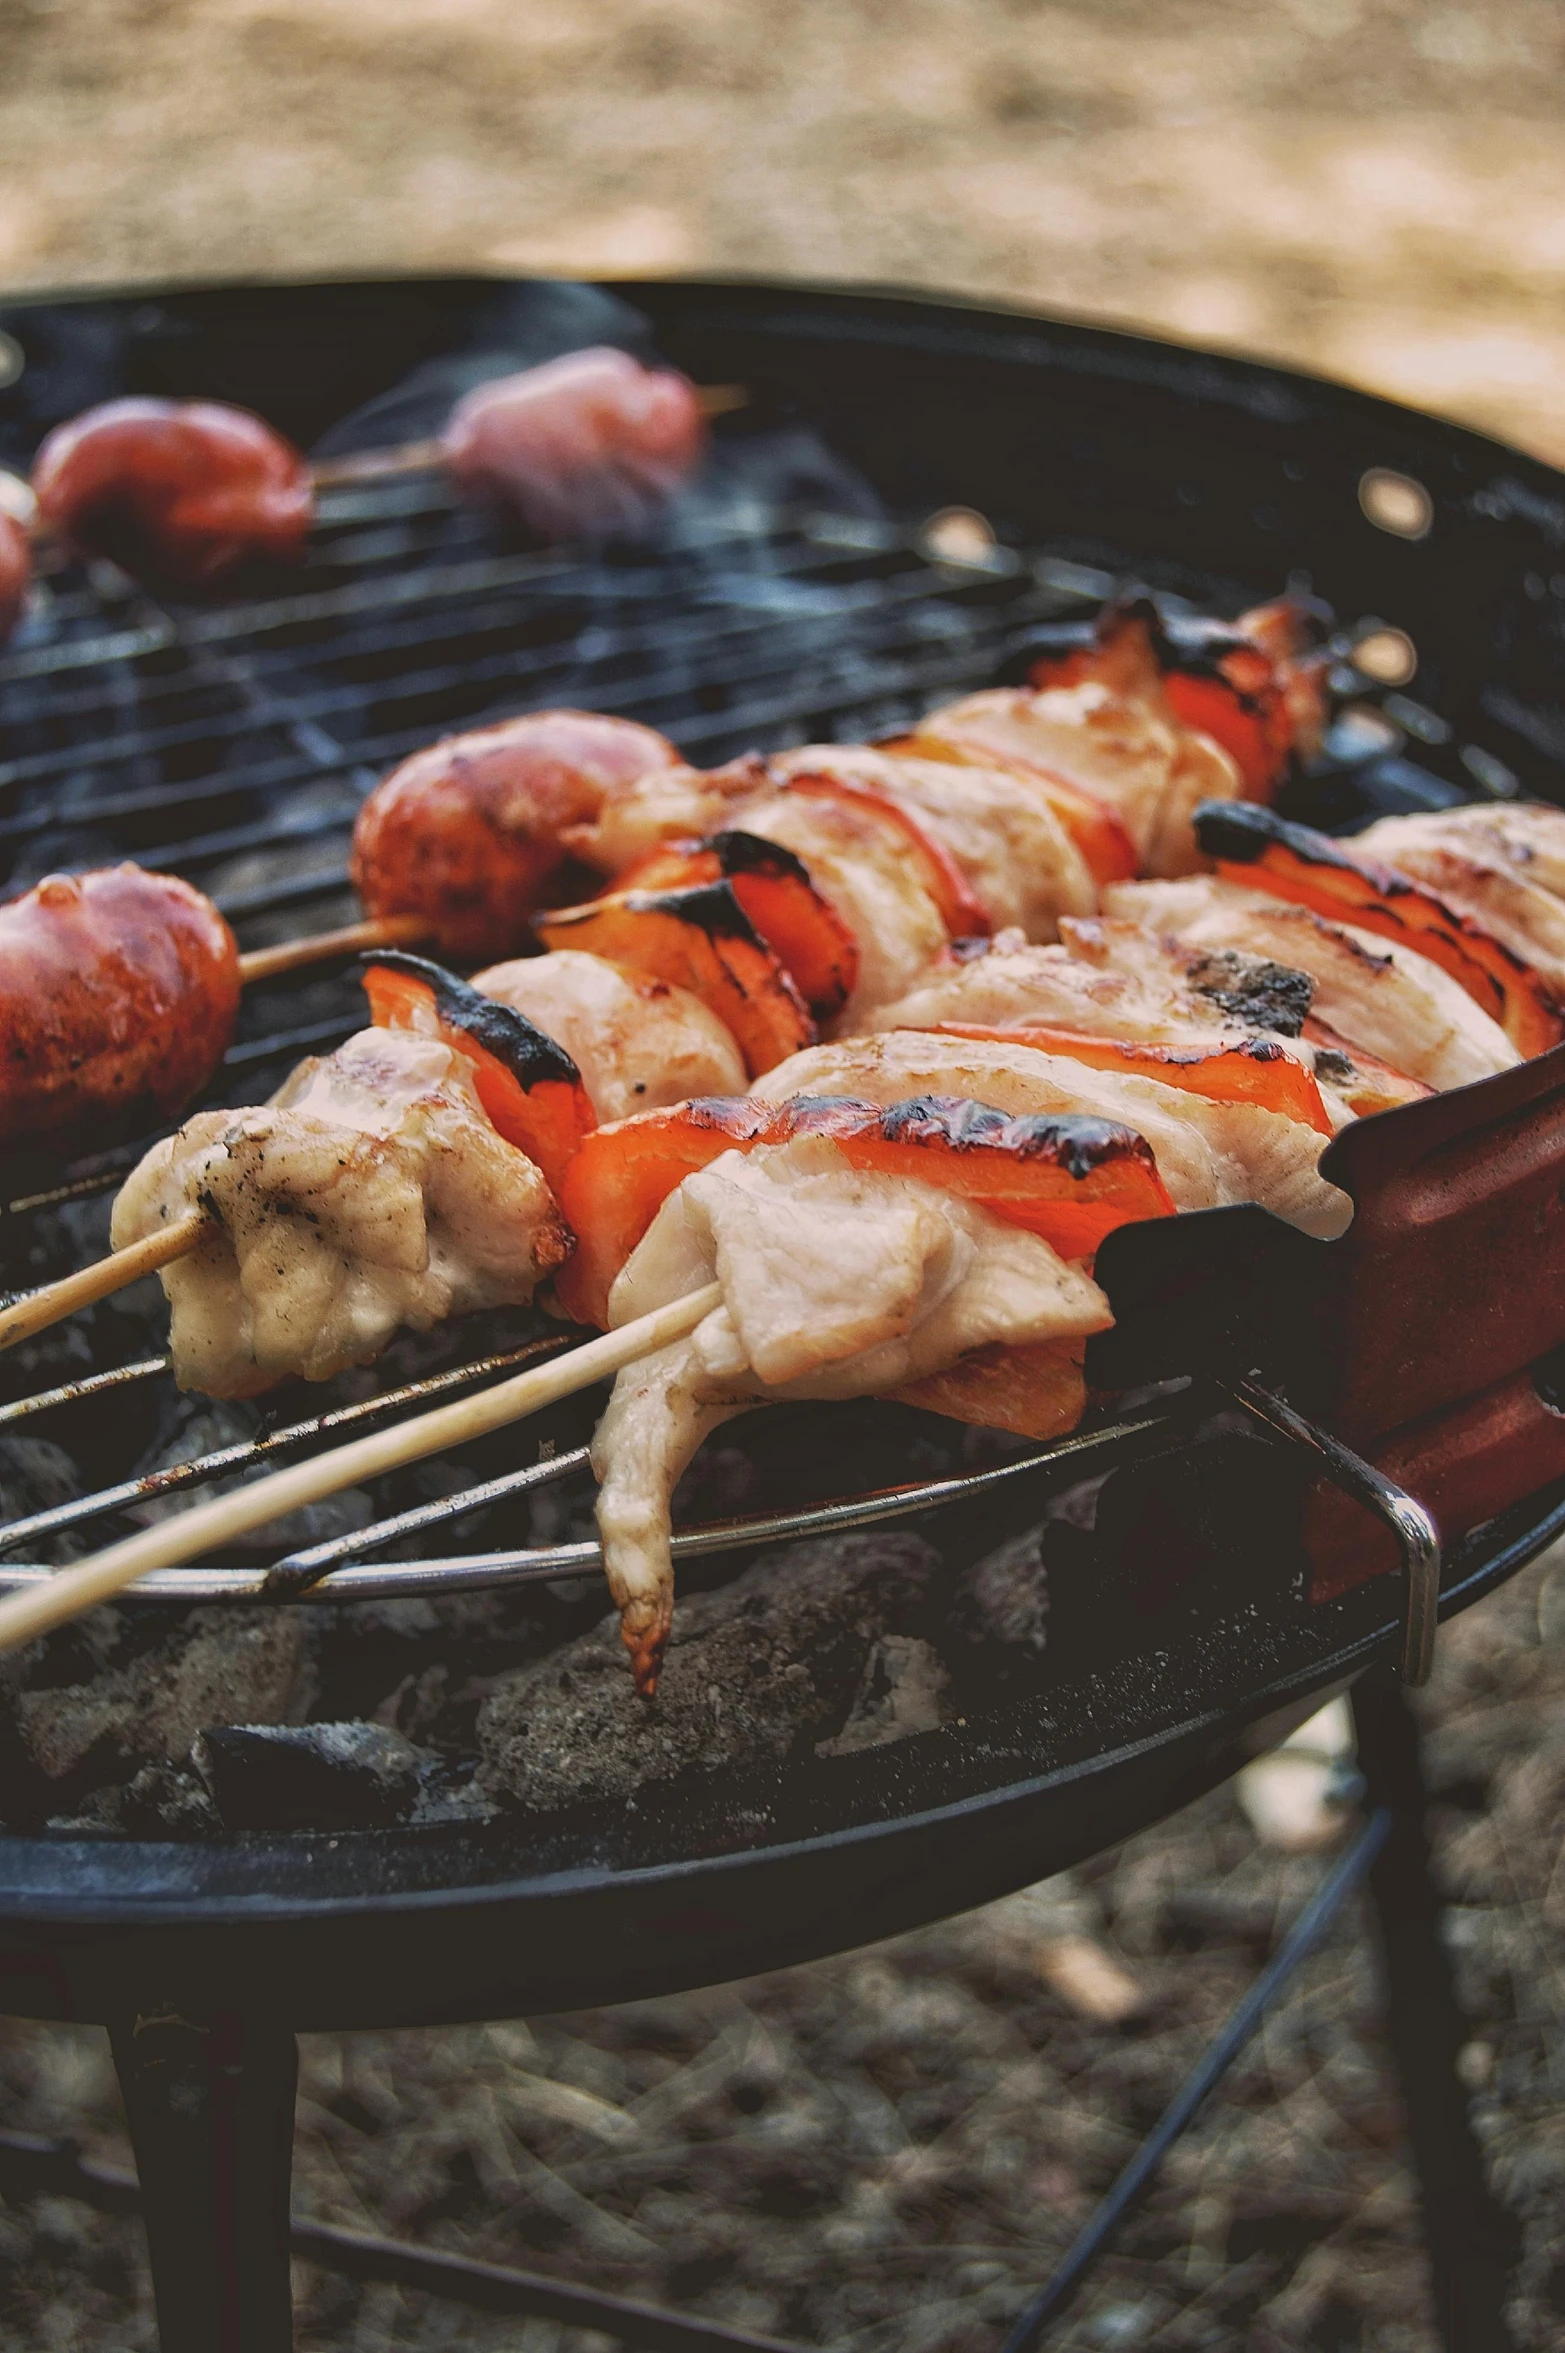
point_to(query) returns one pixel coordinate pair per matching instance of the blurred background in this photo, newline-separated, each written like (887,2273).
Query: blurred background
(1374,188)
(888,2151)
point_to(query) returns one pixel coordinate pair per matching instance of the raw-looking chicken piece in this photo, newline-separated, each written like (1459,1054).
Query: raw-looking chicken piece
(836,1283)
(1208,1154)
(638,1042)
(1489,871)
(1017,858)
(371,1192)
(587,443)
(1121,750)
(1388,999)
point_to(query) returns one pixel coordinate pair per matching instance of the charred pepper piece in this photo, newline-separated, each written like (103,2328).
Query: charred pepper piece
(1255,847)
(1252,1070)
(1070,1179)
(529,1087)
(775,891)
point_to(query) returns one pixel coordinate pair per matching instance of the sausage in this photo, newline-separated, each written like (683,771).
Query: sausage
(589,443)
(118,991)
(16,571)
(177,492)
(469,831)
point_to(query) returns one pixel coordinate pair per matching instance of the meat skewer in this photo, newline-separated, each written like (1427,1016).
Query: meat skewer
(180,493)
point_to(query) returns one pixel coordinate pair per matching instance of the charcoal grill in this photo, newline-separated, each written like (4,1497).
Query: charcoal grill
(233,742)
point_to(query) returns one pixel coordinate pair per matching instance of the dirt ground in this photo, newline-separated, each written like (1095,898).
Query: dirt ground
(887,2151)
(1373,187)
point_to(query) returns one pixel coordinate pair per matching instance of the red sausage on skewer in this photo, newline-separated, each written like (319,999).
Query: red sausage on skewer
(469,831)
(588,443)
(118,991)
(177,492)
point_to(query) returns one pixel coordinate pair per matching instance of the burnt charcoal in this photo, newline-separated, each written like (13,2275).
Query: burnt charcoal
(309,1776)
(902,1689)
(755,1671)
(165,1801)
(35,1475)
(219,1665)
(1004,1599)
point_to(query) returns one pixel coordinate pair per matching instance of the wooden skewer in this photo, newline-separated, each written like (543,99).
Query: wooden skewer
(377,931)
(54,1301)
(35,1609)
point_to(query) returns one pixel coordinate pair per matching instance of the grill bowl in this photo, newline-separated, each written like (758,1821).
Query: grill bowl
(177,736)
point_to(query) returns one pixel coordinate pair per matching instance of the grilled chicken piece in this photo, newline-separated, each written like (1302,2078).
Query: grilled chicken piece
(1207,1153)
(1378,995)
(370,1193)
(472,830)
(1126,751)
(1494,870)
(1016,856)
(836,1283)
(639,1043)
(118,991)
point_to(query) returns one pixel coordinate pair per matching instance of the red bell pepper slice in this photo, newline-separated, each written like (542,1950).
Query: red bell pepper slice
(1373,1085)
(1263,851)
(1070,1179)
(775,891)
(1253,1070)
(701,939)
(529,1087)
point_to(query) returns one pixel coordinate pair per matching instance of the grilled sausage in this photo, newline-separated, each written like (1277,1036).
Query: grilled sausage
(469,831)
(177,492)
(16,570)
(117,998)
(589,443)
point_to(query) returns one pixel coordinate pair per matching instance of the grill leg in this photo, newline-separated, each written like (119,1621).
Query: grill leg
(210,2104)
(1472,2240)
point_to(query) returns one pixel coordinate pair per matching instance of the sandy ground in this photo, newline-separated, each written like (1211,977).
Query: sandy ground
(1375,188)
(888,2150)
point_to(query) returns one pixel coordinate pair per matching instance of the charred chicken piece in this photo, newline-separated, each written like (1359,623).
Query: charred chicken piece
(1387,998)
(584,445)
(372,1192)
(935,1278)
(471,831)
(118,991)
(177,492)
